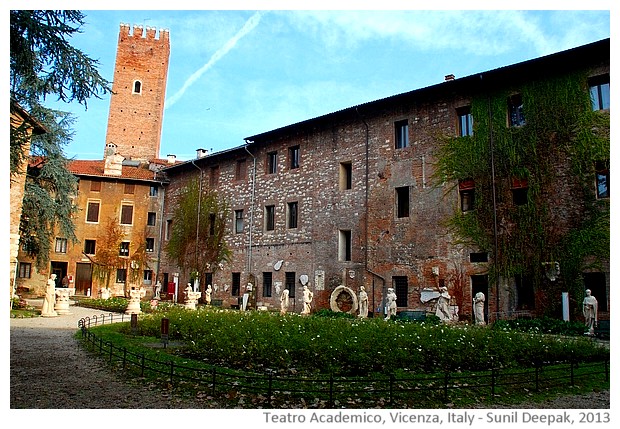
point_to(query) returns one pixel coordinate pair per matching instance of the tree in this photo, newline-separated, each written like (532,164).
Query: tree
(43,63)
(197,239)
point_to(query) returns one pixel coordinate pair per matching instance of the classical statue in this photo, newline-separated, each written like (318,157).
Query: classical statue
(308,295)
(284,302)
(443,305)
(208,293)
(390,303)
(479,308)
(363,303)
(50,298)
(590,311)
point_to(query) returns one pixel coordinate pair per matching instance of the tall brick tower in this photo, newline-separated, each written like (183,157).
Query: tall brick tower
(138,92)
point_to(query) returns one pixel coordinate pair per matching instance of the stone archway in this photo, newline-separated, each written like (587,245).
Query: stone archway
(343,299)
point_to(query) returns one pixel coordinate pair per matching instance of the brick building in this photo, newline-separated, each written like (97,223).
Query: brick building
(123,186)
(351,199)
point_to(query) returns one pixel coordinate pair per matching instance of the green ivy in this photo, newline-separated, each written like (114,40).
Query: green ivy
(561,130)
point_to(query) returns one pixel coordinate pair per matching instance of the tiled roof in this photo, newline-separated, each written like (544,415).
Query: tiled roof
(95,168)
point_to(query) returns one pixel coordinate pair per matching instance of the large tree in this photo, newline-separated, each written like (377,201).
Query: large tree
(197,242)
(43,64)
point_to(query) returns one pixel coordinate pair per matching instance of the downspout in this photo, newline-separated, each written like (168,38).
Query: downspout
(251,220)
(161,233)
(198,223)
(366,199)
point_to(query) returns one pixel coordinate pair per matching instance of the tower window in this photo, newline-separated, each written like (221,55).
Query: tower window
(137,87)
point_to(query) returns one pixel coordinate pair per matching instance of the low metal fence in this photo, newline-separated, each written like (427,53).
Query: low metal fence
(273,390)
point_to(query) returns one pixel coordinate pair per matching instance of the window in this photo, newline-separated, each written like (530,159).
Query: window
(525,292)
(238,221)
(602,179)
(519,190)
(272,162)
(90,246)
(130,188)
(479,257)
(153,191)
(124,249)
(344,245)
(240,170)
(61,245)
(148,276)
(599,92)
(293,156)
(151,218)
(150,244)
(137,87)
(121,275)
(168,229)
(467,194)
(236,284)
(24,270)
(292,214)
(270,217)
(515,111)
(289,283)
(401,288)
(346,169)
(95,186)
(466,121)
(214,176)
(126,214)
(92,212)
(402,201)
(212,221)
(267,282)
(402,134)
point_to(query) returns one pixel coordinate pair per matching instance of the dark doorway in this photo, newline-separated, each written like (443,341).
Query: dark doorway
(60,269)
(480,283)
(598,286)
(83,278)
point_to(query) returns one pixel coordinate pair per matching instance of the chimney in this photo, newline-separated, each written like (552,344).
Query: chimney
(113,165)
(449,77)
(201,153)
(172,159)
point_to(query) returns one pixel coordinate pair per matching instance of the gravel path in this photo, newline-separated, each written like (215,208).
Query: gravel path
(49,370)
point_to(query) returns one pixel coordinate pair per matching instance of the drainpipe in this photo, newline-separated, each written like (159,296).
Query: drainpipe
(198,222)
(161,233)
(366,198)
(251,220)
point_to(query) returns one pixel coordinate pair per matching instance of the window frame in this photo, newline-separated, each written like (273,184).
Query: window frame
(150,244)
(600,84)
(516,115)
(270,217)
(123,248)
(271,166)
(151,218)
(467,195)
(136,87)
(401,134)
(345,245)
(239,221)
(403,202)
(346,176)
(121,275)
(89,211)
(88,244)
(124,215)
(25,270)
(60,245)
(465,121)
(292,214)
(398,285)
(240,170)
(294,154)
(267,284)
(601,174)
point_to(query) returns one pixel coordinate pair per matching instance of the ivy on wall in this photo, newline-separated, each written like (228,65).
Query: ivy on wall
(554,152)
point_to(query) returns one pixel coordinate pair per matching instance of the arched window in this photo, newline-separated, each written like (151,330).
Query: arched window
(137,87)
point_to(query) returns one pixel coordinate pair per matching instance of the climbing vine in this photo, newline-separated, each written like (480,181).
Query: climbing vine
(553,156)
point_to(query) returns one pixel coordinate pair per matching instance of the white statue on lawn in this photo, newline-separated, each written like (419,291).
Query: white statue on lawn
(390,304)
(479,308)
(50,298)
(363,300)
(443,305)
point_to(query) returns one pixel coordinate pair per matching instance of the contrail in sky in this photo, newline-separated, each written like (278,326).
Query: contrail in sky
(247,27)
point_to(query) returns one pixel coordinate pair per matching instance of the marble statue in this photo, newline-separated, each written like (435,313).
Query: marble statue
(284,302)
(62,299)
(50,298)
(105,293)
(157,290)
(390,303)
(135,295)
(443,305)
(479,308)
(590,311)
(363,303)
(308,295)
(208,293)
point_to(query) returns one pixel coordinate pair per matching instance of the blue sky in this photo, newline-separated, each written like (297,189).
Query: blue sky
(240,72)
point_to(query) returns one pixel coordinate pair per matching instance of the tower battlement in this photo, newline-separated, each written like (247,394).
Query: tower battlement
(137,31)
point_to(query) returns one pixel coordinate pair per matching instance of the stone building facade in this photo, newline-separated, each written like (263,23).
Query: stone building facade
(349,199)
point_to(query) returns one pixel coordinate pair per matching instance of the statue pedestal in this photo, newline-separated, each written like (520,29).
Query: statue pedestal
(62,300)
(134,301)
(192,299)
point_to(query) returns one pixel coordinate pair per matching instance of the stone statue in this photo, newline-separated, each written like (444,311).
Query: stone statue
(390,303)
(479,308)
(443,305)
(157,290)
(308,295)
(590,311)
(284,302)
(105,293)
(135,295)
(363,303)
(208,293)
(50,298)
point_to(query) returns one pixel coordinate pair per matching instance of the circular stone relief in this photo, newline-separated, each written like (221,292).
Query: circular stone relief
(343,299)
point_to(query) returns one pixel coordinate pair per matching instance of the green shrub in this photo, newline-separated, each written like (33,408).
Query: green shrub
(545,325)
